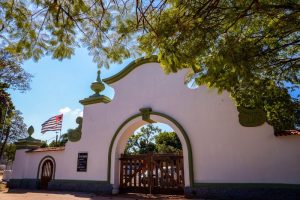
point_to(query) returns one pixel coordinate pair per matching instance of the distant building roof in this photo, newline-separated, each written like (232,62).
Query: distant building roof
(46,149)
(287,132)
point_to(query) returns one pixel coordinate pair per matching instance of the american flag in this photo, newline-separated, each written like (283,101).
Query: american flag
(53,124)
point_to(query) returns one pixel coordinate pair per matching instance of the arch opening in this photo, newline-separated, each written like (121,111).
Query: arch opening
(126,129)
(46,171)
(155,138)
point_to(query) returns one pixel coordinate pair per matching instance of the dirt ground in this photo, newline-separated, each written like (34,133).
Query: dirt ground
(6,194)
(52,195)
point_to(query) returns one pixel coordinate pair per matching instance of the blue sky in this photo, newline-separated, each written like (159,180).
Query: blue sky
(56,88)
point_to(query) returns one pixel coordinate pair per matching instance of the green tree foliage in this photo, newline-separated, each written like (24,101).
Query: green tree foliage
(143,141)
(151,139)
(33,28)
(249,48)
(12,74)
(44,144)
(9,152)
(13,129)
(168,142)
(60,143)
(64,139)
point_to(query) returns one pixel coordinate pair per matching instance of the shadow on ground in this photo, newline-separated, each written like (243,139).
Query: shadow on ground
(16,194)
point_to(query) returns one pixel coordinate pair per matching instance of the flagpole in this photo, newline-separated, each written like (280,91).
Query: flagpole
(56,137)
(60,135)
(60,129)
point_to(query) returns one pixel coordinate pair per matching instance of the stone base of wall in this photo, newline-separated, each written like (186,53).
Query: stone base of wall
(98,187)
(244,191)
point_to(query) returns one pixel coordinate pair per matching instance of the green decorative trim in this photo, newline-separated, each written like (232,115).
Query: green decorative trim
(146,114)
(246,185)
(188,144)
(42,161)
(25,183)
(74,135)
(130,67)
(93,186)
(113,140)
(95,99)
(186,138)
(251,117)
(28,144)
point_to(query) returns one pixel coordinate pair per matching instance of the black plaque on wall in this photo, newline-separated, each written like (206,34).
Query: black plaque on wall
(82,162)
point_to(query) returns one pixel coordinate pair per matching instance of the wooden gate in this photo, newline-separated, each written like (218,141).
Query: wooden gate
(152,173)
(47,173)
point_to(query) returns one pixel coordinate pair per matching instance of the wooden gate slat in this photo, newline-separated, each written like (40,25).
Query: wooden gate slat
(157,173)
(172,173)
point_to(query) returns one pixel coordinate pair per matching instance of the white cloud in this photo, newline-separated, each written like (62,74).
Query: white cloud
(77,112)
(72,113)
(65,110)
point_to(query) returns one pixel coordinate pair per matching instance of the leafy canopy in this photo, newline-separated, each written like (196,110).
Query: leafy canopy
(249,48)
(12,75)
(150,138)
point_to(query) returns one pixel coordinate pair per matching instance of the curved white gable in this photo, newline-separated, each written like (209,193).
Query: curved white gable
(223,150)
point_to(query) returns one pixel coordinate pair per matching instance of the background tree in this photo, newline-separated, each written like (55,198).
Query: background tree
(249,48)
(9,152)
(61,142)
(150,138)
(167,142)
(12,74)
(144,141)
(14,129)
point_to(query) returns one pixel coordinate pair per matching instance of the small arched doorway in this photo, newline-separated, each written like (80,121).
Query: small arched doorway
(46,171)
(126,129)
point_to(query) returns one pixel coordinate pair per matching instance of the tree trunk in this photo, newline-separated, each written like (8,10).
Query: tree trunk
(4,141)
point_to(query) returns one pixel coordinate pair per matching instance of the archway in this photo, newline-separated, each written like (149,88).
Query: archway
(46,171)
(126,129)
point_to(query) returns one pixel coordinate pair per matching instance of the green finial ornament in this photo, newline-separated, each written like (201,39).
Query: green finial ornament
(98,76)
(97,86)
(30,130)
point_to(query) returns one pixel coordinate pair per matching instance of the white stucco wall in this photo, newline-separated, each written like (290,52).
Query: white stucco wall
(26,164)
(223,150)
